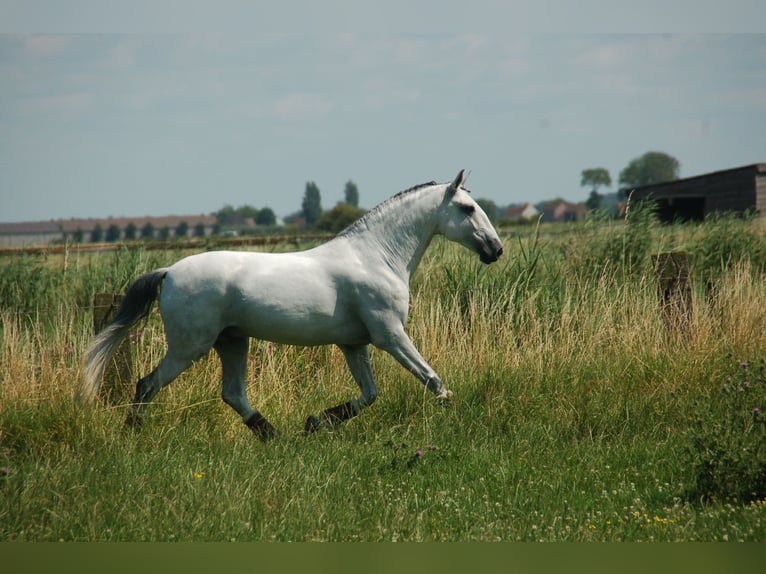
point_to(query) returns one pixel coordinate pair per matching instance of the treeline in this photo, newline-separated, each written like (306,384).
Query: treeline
(652,167)
(132,232)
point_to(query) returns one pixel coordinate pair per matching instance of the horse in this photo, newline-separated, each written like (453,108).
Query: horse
(351,291)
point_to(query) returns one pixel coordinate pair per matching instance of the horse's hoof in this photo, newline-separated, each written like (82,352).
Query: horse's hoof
(444,398)
(313,424)
(261,428)
(133,420)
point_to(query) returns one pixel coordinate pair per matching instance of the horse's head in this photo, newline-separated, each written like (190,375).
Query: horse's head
(464,221)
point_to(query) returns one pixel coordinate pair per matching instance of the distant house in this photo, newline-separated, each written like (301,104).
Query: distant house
(521,213)
(29,233)
(734,190)
(563,211)
(44,232)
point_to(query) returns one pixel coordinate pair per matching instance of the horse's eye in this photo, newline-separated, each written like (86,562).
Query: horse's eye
(467,208)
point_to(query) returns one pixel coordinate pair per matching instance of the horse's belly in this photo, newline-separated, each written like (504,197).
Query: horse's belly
(300,320)
(290,330)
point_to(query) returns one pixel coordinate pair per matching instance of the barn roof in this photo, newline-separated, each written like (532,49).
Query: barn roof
(759,168)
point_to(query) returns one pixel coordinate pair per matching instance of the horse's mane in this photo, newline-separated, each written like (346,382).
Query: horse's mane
(361,223)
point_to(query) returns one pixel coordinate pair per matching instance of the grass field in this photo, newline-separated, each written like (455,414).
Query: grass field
(579,413)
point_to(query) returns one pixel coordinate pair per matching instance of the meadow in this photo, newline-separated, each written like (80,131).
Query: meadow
(582,411)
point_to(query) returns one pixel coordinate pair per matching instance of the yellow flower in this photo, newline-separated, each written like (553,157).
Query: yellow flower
(199,474)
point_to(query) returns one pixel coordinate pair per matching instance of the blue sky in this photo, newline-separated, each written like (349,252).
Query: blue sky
(127,123)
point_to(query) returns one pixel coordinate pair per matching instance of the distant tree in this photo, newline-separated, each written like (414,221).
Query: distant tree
(595,178)
(79,235)
(147,231)
(489,207)
(113,233)
(97,234)
(225,215)
(165,232)
(339,217)
(131,231)
(652,167)
(312,204)
(266,216)
(247,212)
(351,194)
(199,230)
(182,229)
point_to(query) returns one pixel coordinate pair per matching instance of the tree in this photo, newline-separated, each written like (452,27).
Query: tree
(131,230)
(147,231)
(225,215)
(351,194)
(652,167)
(97,234)
(266,216)
(79,235)
(165,232)
(339,217)
(113,233)
(595,178)
(312,204)
(199,230)
(182,229)
(247,212)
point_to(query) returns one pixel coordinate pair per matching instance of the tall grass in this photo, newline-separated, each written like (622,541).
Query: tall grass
(575,414)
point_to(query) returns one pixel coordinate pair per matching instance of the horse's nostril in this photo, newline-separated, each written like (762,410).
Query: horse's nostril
(499,251)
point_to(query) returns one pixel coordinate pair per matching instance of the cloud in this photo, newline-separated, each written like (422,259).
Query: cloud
(121,55)
(45,46)
(72,102)
(301,106)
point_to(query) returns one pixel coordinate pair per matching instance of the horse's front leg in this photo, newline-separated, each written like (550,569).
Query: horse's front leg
(358,360)
(398,344)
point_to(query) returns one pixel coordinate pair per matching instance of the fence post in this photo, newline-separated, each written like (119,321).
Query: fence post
(674,290)
(119,373)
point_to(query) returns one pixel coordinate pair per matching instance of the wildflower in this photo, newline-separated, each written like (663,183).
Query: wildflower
(756,410)
(415,458)
(5,471)
(744,364)
(199,475)
(746,384)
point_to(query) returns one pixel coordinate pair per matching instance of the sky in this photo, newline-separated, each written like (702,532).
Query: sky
(119,119)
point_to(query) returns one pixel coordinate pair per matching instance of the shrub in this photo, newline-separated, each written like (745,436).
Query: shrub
(727,449)
(725,241)
(606,246)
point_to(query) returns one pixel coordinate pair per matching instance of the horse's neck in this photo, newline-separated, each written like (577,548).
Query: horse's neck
(402,233)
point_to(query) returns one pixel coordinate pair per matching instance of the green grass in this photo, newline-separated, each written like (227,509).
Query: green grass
(573,415)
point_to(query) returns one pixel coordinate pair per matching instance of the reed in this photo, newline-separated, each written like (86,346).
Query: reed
(575,416)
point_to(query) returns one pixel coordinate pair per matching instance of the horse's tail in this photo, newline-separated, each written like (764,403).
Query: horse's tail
(136,305)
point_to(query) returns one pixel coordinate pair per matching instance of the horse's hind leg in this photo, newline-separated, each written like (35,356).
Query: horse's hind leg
(358,360)
(233,353)
(147,388)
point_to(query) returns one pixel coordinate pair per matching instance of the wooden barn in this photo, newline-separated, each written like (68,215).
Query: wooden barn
(737,190)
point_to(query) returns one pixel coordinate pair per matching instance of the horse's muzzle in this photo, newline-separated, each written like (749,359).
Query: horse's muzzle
(491,251)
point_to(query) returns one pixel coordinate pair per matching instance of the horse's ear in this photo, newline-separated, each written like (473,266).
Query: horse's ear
(455,185)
